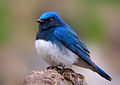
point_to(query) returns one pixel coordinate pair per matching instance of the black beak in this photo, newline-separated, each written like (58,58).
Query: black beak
(40,21)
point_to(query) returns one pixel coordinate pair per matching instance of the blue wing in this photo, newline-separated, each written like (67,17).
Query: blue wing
(70,39)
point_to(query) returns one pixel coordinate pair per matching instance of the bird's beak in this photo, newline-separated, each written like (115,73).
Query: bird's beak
(40,21)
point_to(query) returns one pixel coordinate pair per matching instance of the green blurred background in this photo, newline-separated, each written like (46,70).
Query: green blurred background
(97,22)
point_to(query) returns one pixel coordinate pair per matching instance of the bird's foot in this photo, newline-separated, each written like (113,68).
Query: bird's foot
(61,71)
(52,67)
(55,68)
(64,70)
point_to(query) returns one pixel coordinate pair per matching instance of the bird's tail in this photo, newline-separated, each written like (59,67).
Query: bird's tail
(102,73)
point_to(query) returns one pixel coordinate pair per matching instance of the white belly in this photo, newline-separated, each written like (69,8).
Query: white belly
(53,55)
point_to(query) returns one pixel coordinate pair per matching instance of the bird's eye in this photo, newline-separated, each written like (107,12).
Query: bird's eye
(51,19)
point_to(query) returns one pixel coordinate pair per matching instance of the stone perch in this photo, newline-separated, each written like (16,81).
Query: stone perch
(54,76)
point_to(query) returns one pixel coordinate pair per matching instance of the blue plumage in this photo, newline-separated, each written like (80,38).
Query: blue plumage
(50,15)
(59,37)
(71,41)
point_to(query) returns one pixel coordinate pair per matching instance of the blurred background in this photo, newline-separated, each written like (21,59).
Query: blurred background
(97,22)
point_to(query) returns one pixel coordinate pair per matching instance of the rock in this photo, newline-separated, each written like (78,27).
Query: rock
(54,76)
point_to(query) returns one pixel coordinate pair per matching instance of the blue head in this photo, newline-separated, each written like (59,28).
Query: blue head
(49,20)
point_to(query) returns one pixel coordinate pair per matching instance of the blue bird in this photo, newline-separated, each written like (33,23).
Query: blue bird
(59,45)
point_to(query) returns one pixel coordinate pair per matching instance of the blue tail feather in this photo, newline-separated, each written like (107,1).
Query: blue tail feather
(102,73)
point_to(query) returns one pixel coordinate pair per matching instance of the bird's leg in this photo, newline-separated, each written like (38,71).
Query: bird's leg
(62,70)
(63,67)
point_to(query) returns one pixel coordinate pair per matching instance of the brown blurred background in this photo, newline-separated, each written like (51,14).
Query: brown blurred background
(97,22)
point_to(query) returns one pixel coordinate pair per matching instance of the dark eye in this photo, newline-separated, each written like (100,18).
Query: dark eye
(50,20)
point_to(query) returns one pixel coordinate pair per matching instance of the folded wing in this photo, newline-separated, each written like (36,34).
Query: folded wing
(70,39)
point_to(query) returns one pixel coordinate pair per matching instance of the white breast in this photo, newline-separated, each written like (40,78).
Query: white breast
(53,55)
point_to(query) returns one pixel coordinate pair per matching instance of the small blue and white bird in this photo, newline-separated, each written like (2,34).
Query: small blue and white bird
(59,45)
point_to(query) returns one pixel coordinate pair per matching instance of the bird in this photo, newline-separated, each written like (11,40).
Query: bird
(58,45)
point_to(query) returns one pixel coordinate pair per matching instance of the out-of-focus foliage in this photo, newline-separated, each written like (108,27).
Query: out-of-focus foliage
(5,32)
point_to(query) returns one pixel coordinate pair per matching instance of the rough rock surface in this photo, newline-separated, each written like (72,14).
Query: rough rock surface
(55,76)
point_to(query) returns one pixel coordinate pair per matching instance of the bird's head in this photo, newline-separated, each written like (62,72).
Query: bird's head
(49,20)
